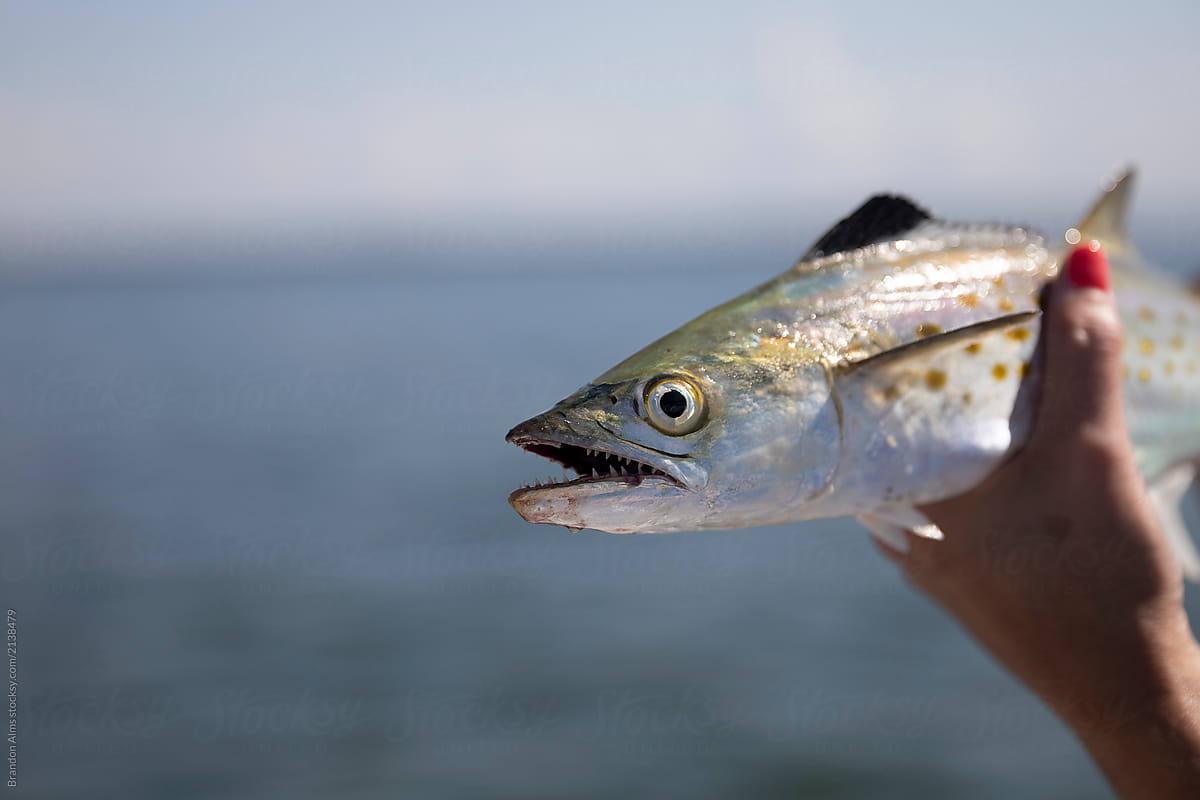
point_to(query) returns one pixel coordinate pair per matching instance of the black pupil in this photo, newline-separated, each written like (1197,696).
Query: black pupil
(673,403)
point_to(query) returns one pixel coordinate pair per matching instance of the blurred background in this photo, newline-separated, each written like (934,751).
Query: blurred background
(276,278)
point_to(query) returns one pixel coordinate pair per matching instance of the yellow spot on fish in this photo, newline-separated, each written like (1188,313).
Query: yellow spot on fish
(1005,304)
(1020,334)
(1144,375)
(974,347)
(999,372)
(1146,346)
(999,282)
(967,398)
(1147,314)
(935,379)
(1169,367)
(928,329)
(969,300)
(891,393)
(1177,342)
(1024,369)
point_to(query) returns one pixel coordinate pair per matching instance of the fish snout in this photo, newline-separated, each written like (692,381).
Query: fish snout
(545,426)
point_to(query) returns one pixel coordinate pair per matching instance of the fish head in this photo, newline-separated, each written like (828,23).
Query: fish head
(665,442)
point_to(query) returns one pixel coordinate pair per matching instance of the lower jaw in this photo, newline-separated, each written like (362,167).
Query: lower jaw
(592,503)
(612,482)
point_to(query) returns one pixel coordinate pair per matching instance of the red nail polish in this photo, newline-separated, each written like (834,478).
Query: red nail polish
(1087,267)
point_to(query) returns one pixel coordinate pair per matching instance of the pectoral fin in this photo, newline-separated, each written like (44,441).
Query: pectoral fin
(930,347)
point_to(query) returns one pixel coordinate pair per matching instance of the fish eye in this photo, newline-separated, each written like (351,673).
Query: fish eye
(674,406)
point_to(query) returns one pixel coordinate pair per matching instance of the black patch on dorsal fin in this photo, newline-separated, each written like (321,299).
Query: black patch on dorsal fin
(884,216)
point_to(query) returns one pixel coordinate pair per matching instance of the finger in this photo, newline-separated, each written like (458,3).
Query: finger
(926,555)
(1082,336)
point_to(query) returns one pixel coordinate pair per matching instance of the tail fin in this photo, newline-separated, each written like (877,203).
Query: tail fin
(1107,221)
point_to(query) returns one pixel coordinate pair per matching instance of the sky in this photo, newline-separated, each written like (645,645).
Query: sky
(122,121)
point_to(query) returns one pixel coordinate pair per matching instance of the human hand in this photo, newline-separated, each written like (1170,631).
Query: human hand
(1057,566)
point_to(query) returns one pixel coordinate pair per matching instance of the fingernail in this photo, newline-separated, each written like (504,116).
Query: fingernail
(1087,267)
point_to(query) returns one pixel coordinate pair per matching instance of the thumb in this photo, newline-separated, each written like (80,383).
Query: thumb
(1081,392)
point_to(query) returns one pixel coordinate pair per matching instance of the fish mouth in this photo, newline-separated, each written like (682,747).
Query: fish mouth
(614,463)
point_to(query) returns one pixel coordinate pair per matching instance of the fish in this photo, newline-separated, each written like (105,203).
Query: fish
(891,366)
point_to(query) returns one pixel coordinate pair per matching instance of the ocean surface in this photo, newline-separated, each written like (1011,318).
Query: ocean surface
(257,538)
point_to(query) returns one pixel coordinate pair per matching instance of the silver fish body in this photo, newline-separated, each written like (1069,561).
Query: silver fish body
(864,380)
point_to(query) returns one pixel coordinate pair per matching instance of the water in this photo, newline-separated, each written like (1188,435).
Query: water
(258,542)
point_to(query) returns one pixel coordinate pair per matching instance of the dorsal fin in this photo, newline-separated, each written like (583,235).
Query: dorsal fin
(884,216)
(1107,220)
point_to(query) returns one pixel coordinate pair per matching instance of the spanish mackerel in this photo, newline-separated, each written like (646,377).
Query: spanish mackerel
(884,370)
